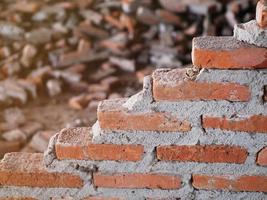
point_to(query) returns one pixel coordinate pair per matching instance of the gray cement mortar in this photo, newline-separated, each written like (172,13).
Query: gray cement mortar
(251,33)
(142,100)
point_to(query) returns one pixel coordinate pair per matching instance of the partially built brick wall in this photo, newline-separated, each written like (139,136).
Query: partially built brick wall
(194,133)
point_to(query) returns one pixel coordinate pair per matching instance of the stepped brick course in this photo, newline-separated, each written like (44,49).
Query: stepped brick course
(194,133)
(112,116)
(197,153)
(175,85)
(152,181)
(23,169)
(243,183)
(227,53)
(76,144)
(253,124)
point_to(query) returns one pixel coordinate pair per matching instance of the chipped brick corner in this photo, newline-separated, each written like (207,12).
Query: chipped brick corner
(194,133)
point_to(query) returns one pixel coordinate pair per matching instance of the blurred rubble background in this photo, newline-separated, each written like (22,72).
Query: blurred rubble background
(58,59)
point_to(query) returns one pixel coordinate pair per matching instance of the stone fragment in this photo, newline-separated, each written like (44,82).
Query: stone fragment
(53,87)
(11,31)
(14,135)
(39,36)
(123,63)
(28,54)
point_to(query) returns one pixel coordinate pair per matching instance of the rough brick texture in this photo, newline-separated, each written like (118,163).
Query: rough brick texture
(76,143)
(256,123)
(220,182)
(152,181)
(176,85)
(112,116)
(262,157)
(25,169)
(227,53)
(211,153)
(261,14)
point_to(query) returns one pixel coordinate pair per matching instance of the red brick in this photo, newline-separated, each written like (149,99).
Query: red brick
(261,14)
(26,169)
(174,85)
(262,157)
(255,123)
(227,53)
(75,143)
(220,182)
(151,181)
(113,116)
(197,153)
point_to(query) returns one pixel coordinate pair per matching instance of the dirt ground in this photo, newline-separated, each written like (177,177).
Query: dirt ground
(55,114)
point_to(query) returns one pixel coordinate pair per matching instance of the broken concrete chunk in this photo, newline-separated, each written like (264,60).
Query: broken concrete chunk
(142,100)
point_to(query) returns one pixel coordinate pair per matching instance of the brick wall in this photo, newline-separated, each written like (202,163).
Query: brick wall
(194,133)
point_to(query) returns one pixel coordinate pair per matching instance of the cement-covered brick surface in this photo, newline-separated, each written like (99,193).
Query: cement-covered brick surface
(113,116)
(177,85)
(18,169)
(76,144)
(225,182)
(227,53)
(251,33)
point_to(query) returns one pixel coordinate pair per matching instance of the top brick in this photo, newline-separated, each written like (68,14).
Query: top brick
(26,169)
(261,13)
(227,53)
